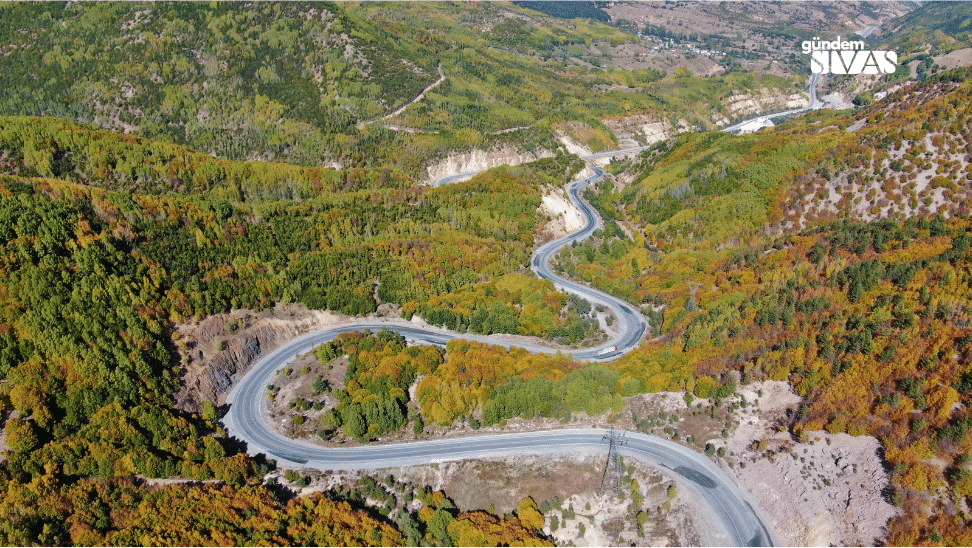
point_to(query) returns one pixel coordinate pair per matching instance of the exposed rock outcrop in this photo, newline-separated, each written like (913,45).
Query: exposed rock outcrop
(828,490)
(760,101)
(219,350)
(479,160)
(645,129)
(239,354)
(564,216)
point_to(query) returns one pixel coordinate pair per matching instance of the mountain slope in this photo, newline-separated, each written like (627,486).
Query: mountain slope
(314,83)
(94,279)
(945,26)
(830,252)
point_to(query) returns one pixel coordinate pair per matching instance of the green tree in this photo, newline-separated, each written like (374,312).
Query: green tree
(209,411)
(354,423)
(439,523)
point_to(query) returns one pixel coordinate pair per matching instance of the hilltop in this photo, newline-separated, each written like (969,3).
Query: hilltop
(334,84)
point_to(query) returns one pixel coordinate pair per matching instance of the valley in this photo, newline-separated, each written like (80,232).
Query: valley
(401,273)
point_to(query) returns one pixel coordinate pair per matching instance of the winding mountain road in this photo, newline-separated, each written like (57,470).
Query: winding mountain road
(734,518)
(632,324)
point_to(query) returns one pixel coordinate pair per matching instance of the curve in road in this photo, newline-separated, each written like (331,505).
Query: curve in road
(631,322)
(247,417)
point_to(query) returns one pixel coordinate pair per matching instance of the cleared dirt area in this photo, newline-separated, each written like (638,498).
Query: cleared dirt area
(826,490)
(955,59)
(305,395)
(567,489)
(503,483)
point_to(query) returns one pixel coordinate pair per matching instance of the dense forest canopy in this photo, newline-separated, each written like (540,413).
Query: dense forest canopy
(568,10)
(94,279)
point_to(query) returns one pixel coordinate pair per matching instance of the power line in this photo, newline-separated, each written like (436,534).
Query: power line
(613,471)
(693,287)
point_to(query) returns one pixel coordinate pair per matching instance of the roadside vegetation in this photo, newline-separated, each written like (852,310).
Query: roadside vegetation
(94,279)
(470,383)
(866,320)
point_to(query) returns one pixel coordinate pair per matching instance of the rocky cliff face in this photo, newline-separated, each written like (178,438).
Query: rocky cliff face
(225,366)
(219,350)
(479,160)
(630,132)
(645,129)
(760,101)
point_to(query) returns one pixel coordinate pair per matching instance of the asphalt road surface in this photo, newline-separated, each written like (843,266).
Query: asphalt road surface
(248,415)
(632,324)
(726,504)
(867,32)
(248,419)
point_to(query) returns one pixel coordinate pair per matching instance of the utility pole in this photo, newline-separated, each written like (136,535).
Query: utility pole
(693,287)
(612,472)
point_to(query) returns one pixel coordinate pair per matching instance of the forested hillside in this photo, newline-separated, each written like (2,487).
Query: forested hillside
(567,10)
(276,228)
(57,509)
(313,84)
(853,283)
(96,269)
(472,383)
(945,26)
(695,197)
